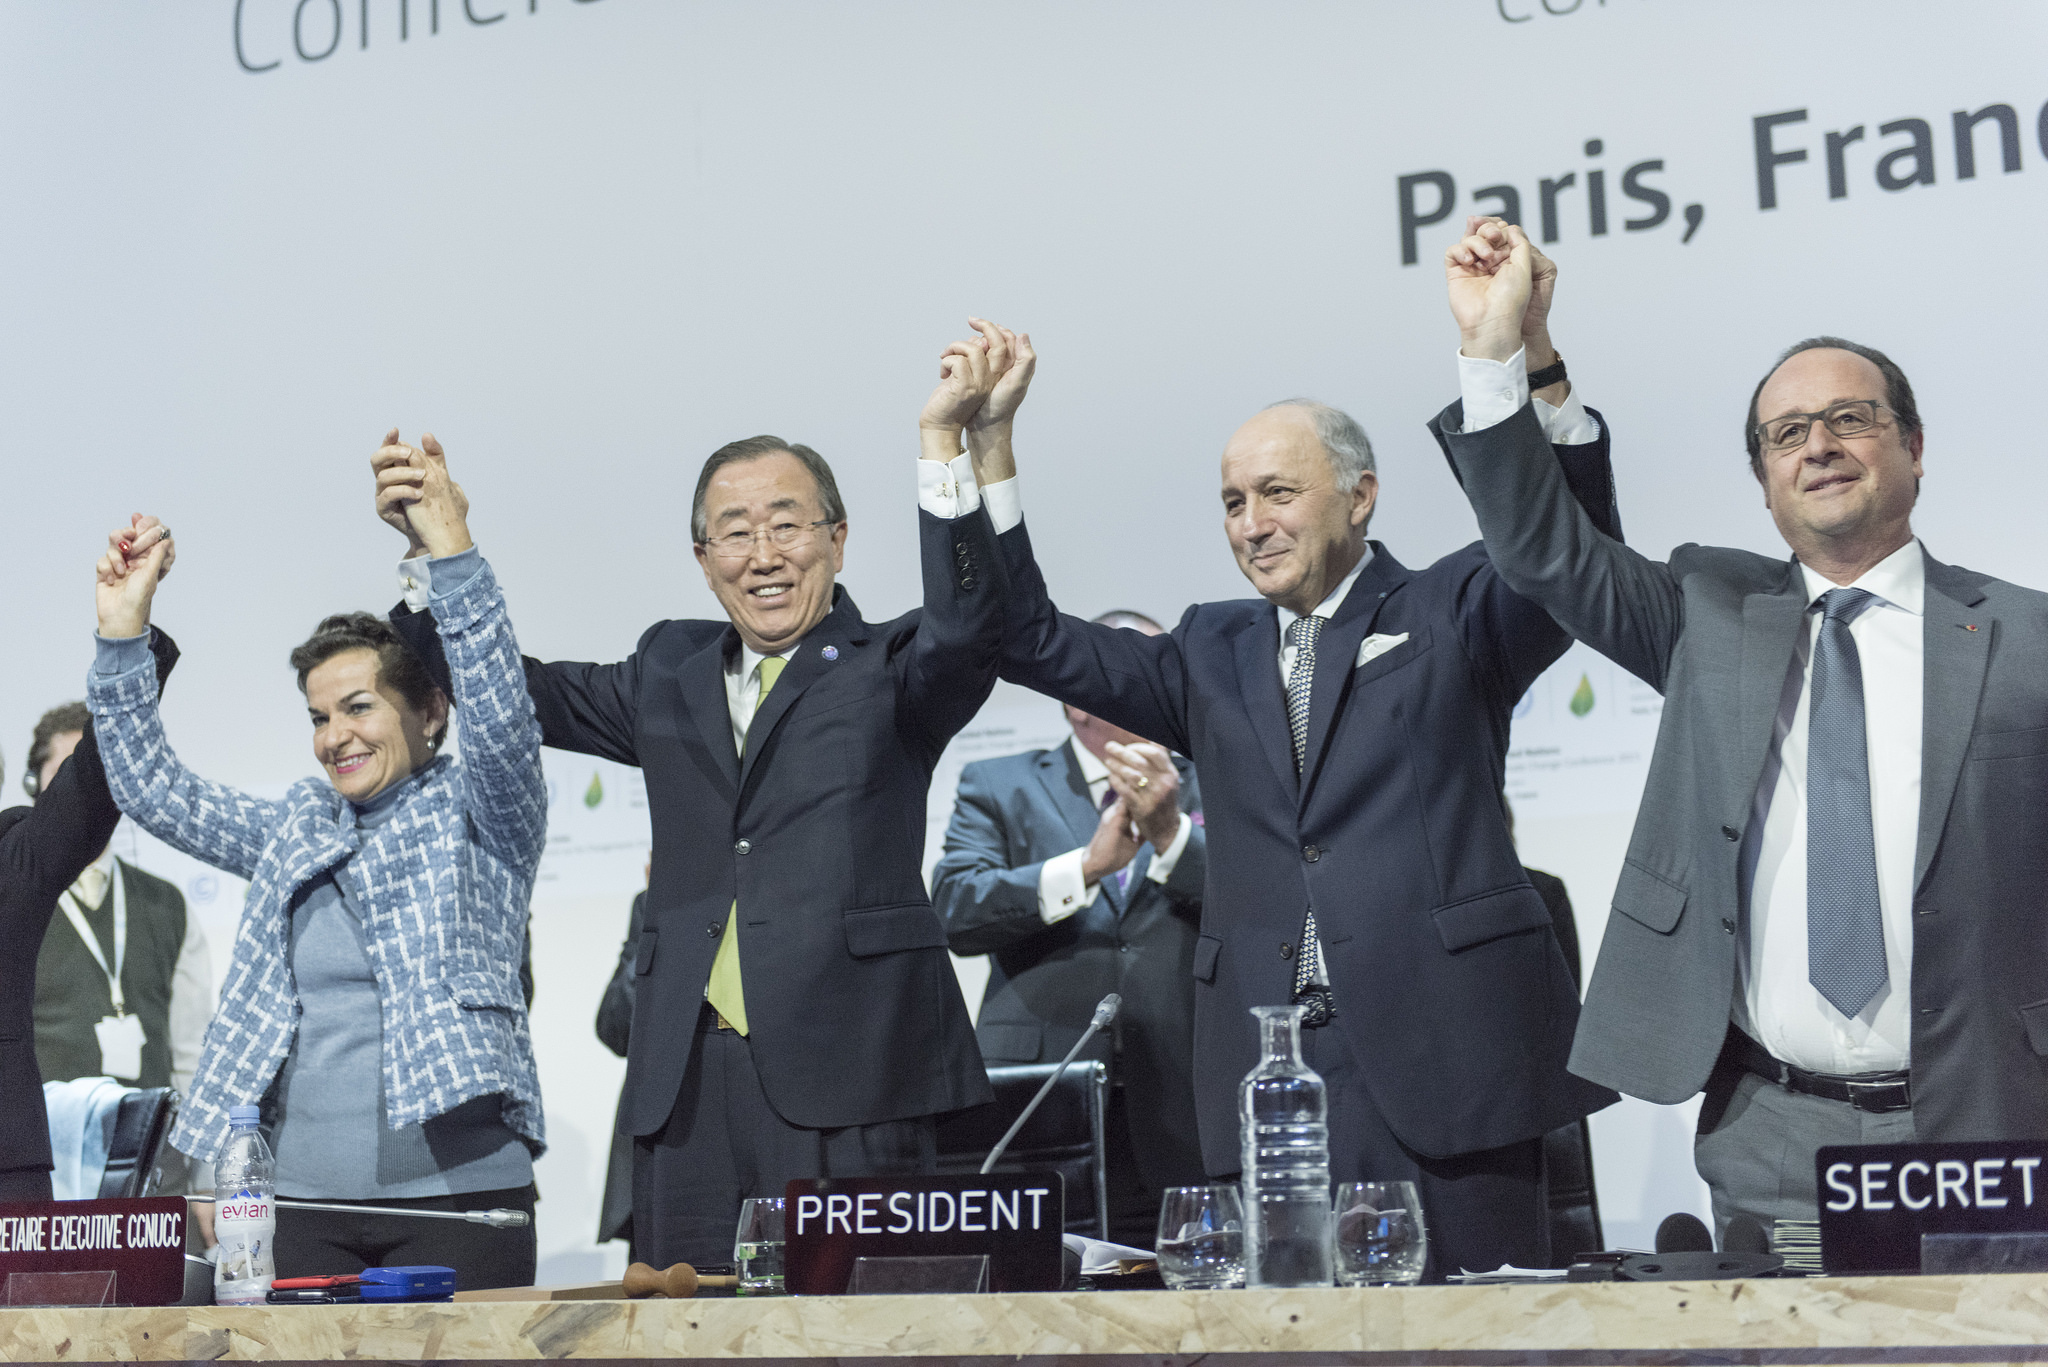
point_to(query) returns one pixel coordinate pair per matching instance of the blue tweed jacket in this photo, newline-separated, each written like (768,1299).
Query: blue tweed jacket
(444,886)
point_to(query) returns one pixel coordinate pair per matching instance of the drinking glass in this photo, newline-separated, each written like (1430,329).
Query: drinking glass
(757,1247)
(1381,1240)
(1201,1238)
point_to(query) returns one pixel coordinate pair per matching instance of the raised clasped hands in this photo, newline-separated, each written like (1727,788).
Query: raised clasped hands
(416,495)
(1500,289)
(138,556)
(983,380)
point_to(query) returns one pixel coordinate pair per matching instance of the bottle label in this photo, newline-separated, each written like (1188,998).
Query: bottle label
(246,1227)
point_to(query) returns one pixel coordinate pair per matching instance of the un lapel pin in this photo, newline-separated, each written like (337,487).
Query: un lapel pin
(832,652)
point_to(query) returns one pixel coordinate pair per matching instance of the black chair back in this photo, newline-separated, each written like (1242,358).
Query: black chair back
(1065,1135)
(140,1128)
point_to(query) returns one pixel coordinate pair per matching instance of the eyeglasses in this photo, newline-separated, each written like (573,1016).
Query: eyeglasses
(1850,418)
(784,536)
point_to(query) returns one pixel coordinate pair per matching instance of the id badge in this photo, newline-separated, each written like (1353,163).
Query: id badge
(120,1046)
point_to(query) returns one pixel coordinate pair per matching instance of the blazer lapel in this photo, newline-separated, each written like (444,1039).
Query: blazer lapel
(842,630)
(1065,787)
(1337,647)
(701,684)
(1771,623)
(1265,702)
(1958,645)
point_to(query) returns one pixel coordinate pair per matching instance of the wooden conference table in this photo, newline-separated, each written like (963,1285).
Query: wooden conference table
(1891,1320)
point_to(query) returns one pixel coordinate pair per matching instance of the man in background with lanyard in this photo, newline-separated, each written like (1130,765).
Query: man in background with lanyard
(124,981)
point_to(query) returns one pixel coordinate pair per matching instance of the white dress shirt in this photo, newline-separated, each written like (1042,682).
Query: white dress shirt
(1495,391)
(1774,1002)
(1062,888)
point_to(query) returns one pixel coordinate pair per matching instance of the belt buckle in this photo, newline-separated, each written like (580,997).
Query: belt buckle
(1881,1098)
(1318,1007)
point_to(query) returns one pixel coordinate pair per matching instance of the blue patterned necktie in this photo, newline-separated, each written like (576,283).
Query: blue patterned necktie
(1302,634)
(1844,928)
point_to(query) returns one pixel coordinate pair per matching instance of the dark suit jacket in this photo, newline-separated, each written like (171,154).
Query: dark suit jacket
(1450,986)
(854,1011)
(43,849)
(1013,814)
(1714,631)
(615,1032)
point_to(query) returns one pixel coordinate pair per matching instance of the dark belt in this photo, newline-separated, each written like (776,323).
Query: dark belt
(1318,1007)
(1877,1093)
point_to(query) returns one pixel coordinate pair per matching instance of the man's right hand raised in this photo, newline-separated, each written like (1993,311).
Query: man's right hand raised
(1490,274)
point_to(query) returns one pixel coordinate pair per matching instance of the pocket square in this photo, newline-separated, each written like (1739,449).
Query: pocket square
(1374,646)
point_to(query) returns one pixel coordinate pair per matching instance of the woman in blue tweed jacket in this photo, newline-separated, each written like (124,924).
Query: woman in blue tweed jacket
(373,1002)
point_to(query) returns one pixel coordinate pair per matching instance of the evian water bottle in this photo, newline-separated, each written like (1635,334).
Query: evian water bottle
(244,1212)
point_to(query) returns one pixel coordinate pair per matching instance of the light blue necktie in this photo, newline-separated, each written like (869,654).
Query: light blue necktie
(1844,929)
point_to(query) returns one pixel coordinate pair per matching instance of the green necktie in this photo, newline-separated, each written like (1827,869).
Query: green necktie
(725,992)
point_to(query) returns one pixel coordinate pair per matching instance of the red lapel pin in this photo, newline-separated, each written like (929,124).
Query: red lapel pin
(1969,626)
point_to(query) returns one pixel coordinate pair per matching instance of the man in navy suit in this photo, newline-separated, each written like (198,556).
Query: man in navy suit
(1079,872)
(795,1012)
(1351,723)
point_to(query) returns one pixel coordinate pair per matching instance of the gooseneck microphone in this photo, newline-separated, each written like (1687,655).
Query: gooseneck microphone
(1683,1233)
(1105,1012)
(498,1218)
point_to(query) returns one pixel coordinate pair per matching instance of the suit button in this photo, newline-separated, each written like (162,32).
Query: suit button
(714,930)
(1730,833)
(743,847)
(1123,949)
(1311,853)
(1286,950)
(966,581)
(1728,925)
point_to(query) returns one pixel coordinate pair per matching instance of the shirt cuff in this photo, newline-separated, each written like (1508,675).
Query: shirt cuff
(1164,862)
(1569,424)
(1494,391)
(1005,504)
(120,654)
(947,490)
(1063,888)
(415,581)
(447,573)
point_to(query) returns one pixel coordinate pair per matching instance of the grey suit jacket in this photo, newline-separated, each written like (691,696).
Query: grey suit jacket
(1714,630)
(1014,813)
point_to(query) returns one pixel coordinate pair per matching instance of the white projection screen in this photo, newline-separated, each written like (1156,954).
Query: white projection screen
(588,241)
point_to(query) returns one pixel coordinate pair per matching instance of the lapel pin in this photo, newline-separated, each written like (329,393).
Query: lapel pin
(832,652)
(1969,626)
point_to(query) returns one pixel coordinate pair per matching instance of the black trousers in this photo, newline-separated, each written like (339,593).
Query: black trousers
(1133,1203)
(1481,1209)
(314,1243)
(723,1143)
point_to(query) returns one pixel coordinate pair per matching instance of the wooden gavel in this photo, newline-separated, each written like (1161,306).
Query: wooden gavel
(679,1283)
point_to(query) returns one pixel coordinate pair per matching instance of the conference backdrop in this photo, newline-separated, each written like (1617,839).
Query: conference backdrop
(588,241)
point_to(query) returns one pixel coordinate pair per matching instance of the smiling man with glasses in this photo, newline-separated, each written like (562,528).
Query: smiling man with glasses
(796,1014)
(1833,915)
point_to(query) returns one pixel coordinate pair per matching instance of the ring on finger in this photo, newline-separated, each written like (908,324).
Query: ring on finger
(1144,782)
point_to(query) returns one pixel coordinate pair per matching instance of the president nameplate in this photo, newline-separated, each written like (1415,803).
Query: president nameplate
(1014,1218)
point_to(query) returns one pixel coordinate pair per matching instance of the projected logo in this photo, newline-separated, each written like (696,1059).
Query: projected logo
(266,31)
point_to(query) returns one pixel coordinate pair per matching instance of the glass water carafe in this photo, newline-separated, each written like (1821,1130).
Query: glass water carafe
(1283,1115)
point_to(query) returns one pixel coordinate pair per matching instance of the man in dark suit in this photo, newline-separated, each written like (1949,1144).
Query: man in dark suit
(1831,917)
(43,849)
(1351,727)
(796,1014)
(1079,872)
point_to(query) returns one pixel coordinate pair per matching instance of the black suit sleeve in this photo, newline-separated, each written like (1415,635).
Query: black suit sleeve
(587,708)
(950,666)
(73,818)
(1125,677)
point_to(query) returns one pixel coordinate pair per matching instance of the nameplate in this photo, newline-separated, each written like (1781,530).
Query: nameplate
(1876,1200)
(1015,1218)
(141,1240)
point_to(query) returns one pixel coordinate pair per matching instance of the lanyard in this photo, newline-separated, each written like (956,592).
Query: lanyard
(76,913)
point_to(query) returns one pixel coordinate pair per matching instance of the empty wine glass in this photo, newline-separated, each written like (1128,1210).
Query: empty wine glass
(1201,1238)
(1381,1240)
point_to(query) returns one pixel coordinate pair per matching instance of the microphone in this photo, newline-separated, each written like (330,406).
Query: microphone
(1746,1234)
(499,1218)
(1105,1012)
(1683,1233)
